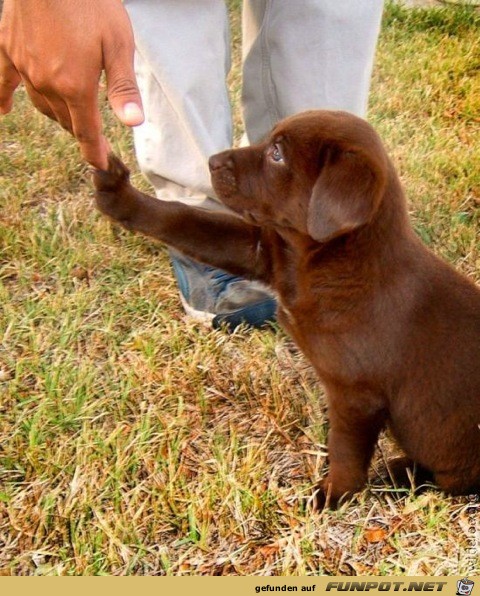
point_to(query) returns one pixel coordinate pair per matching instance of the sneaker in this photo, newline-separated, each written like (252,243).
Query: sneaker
(214,296)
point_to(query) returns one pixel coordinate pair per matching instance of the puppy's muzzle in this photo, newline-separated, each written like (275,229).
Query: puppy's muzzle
(222,170)
(219,161)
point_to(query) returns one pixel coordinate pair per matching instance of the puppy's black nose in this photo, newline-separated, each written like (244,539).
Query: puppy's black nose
(220,160)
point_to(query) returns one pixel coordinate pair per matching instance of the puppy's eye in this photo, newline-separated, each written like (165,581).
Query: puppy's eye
(276,153)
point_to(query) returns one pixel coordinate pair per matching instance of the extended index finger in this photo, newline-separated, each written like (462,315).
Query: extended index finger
(87,129)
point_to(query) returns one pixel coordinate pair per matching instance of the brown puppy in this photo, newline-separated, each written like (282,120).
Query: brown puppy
(392,331)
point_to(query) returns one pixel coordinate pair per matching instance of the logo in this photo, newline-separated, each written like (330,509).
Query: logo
(464,587)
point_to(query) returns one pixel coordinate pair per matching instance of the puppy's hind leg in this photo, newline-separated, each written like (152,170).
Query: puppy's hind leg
(403,472)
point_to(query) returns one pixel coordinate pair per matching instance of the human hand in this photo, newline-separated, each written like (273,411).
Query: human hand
(59,48)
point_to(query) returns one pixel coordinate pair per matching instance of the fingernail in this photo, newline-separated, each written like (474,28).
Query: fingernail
(132,114)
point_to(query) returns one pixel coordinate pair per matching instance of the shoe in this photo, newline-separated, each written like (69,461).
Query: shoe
(214,296)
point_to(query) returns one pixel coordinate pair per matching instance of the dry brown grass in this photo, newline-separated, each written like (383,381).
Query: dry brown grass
(135,442)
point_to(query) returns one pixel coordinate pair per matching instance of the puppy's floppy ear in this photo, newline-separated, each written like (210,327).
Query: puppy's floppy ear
(346,194)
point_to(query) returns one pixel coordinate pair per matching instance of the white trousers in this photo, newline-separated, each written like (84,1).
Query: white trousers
(297,55)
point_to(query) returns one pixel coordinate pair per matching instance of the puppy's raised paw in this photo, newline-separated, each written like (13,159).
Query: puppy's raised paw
(114,177)
(115,196)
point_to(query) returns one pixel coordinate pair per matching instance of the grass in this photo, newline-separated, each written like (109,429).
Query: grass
(135,442)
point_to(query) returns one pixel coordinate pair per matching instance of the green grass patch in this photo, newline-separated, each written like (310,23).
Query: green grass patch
(135,442)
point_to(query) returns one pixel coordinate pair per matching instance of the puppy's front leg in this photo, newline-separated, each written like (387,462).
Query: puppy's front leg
(217,239)
(355,423)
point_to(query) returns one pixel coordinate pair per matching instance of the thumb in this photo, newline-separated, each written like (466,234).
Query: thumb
(123,93)
(118,49)
(9,80)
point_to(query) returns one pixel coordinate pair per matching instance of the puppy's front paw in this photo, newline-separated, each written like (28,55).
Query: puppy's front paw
(114,177)
(114,196)
(322,497)
(331,496)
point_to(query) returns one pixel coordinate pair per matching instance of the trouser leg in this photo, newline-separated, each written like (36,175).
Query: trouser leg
(307,54)
(182,60)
